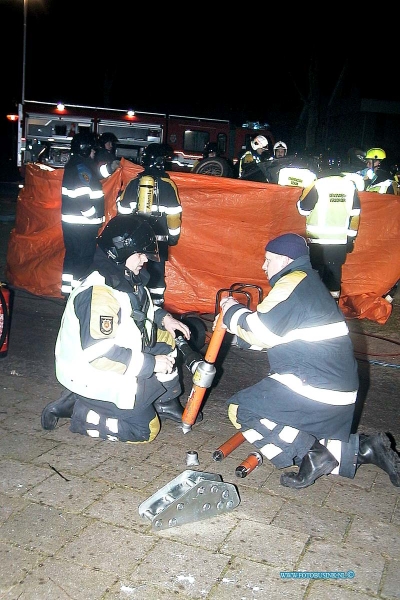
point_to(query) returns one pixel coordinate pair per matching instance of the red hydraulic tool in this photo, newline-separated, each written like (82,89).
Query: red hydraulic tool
(229,446)
(203,376)
(249,464)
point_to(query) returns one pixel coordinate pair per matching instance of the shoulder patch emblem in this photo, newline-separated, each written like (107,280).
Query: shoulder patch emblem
(106,325)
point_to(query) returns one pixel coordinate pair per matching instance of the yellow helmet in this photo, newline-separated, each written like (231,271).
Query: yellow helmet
(375,154)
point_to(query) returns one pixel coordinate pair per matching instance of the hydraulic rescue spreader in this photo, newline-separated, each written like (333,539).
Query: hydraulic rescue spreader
(203,376)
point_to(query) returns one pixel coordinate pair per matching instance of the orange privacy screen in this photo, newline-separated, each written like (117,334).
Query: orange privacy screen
(225,226)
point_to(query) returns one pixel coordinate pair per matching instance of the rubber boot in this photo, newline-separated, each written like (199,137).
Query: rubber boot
(172,409)
(376,450)
(63,407)
(317,462)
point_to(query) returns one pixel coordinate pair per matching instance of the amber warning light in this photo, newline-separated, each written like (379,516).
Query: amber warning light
(12,117)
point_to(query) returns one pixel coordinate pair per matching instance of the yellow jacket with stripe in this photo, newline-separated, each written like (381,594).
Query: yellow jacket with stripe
(332,209)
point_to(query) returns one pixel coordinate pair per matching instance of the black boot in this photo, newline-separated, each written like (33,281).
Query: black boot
(172,409)
(376,450)
(63,407)
(317,462)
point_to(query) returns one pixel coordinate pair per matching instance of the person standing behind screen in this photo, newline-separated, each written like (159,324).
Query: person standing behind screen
(332,209)
(82,210)
(153,194)
(257,153)
(106,157)
(376,178)
(280,150)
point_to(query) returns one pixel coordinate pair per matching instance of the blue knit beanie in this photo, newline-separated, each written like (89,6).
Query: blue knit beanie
(288,244)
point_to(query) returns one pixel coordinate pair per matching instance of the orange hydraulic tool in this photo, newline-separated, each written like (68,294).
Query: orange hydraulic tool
(229,446)
(203,376)
(249,464)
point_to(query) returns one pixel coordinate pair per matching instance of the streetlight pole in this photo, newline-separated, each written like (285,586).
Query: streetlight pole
(24,53)
(21,105)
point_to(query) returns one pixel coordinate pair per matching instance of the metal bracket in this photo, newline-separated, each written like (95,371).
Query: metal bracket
(192,496)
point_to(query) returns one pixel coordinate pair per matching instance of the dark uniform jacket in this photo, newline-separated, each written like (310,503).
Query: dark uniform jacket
(82,200)
(165,210)
(309,351)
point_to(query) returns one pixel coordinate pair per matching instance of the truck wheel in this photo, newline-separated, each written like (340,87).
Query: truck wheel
(217,166)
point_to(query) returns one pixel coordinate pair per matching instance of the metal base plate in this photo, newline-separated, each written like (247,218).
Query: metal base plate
(192,496)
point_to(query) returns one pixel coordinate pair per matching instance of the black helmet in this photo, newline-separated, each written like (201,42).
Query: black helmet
(210,147)
(126,234)
(82,143)
(108,136)
(356,158)
(155,155)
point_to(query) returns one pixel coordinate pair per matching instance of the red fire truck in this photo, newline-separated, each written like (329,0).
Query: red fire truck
(45,132)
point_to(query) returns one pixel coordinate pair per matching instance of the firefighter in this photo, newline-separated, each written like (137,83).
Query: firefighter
(332,208)
(153,194)
(211,150)
(82,210)
(257,153)
(290,170)
(395,171)
(302,412)
(115,352)
(106,157)
(280,150)
(376,179)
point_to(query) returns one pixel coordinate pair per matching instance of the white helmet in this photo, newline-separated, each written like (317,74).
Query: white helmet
(259,142)
(280,145)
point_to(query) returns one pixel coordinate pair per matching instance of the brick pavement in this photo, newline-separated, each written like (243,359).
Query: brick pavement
(69,521)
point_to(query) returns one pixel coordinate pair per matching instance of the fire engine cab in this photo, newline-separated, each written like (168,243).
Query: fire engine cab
(45,132)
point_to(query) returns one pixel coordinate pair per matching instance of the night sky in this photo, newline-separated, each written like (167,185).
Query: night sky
(134,55)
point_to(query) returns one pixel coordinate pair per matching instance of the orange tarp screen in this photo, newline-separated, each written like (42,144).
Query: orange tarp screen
(226,224)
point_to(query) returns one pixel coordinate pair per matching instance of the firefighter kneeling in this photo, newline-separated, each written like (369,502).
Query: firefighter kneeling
(115,351)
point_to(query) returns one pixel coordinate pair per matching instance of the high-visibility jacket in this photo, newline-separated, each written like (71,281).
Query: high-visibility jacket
(332,208)
(381,186)
(99,351)
(296,177)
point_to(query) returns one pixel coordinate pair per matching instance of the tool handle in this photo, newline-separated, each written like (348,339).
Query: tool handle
(216,340)
(196,397)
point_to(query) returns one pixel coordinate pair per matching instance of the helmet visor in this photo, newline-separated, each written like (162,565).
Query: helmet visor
(154,256)
(149,244)
(124,247)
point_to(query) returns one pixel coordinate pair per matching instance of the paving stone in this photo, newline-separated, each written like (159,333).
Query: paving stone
(275,546)
(366,564)
(41,528)
(315,521)
(365,532)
